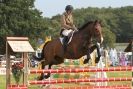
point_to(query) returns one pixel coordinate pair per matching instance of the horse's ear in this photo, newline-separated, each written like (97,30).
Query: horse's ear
(100,22)
(96,21)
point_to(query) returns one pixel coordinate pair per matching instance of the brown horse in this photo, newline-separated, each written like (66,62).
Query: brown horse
(129,47)
(53,52)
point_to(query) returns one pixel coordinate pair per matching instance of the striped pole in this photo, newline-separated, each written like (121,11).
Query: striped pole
(97,87)
(82,70)
(80,80)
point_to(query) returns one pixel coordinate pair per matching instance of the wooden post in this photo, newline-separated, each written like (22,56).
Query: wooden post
(132,63)
(93,58)
(7,65)
(25,61)
(106,58)
(106,62)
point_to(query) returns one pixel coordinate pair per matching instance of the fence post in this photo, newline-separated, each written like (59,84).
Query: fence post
(132,63)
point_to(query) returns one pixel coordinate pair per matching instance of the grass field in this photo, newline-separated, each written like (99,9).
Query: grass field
(33,77)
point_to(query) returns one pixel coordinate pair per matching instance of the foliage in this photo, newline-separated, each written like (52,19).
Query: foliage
(19,18)
(109,38)
(17,70)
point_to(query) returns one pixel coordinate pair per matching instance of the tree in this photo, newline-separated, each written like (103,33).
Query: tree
(109,38)
(19,18)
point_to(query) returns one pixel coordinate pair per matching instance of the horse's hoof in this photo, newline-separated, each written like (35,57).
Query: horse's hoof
(86,61)
(39,78)
(97,59)
(46,76)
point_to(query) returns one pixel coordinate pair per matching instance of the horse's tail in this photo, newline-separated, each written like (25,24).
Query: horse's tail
(42,54)
(37,58)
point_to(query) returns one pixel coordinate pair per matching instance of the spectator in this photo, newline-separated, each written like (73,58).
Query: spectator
(122,59)
(113,56)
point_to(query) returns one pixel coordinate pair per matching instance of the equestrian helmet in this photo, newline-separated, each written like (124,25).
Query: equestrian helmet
(69,8)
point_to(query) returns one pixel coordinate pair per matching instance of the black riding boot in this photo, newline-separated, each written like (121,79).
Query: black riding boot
(65,41)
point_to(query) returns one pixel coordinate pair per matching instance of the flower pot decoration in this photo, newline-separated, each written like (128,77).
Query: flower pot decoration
(17,71)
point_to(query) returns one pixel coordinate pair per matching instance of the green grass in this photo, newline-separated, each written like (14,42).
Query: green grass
(122,75)
(2,82)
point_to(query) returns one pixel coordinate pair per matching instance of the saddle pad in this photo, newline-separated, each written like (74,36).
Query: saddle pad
(70,39)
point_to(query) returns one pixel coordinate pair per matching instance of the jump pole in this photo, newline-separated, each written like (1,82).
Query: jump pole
(81,70)
(79,80)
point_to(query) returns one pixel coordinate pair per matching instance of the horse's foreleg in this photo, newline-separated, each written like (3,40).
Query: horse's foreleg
(88,57)
(89,51)
(98,52)
(92,48)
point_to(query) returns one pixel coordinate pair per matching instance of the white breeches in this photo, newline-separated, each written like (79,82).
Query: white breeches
(67,32)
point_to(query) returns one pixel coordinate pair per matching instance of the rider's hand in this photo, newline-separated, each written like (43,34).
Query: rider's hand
(74,28)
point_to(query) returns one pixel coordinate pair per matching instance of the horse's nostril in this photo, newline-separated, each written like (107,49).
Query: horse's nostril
(96,30)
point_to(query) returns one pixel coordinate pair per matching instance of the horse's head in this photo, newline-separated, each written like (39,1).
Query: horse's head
(93,29)
(96,31)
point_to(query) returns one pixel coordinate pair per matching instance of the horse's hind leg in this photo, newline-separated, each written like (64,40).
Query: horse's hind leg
(48,74)
(43,64)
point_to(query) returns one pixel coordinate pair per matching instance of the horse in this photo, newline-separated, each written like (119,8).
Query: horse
(53,52)
(129,47)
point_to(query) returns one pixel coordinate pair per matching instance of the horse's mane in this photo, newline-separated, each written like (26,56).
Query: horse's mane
(86,24)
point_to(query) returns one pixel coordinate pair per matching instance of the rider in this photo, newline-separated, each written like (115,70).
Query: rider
(67,25)
(67,28)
